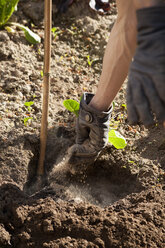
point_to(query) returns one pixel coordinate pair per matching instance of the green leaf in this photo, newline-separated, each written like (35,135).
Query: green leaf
(26,119)
(42,73)
(130,161)
(89,61)
(7,8)
(30,36)
(72,105)
(9,29)
(116,139)
(113,104)
(124,106)
(54,29)
(28,104)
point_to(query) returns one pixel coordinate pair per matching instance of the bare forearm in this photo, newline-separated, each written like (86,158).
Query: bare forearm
(117,58)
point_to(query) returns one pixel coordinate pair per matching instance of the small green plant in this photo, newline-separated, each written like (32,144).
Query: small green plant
(89,61)
(7,7)
(124,106)
(26,120)
(70,31)
(41,73)
(114,137)
(28,105)
(55,32)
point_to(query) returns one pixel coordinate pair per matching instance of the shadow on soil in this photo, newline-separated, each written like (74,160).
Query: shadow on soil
(103,183)
(153,146)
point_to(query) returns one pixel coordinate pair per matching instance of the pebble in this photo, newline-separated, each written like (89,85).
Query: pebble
(11,85)
(2,97)
(26,89)
(16,106)
(12,97)
(4,36)
(16,73)
(19,94)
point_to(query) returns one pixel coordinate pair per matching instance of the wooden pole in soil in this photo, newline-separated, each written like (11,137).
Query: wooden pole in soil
(46,83)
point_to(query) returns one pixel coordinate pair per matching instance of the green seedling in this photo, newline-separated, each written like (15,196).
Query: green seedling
(41,73)
(55,32)
(89,61)
(113,104)
(124,106)
(114,137)
(131,162)
(70,31)
(7,7)
(26,120)
(28,105)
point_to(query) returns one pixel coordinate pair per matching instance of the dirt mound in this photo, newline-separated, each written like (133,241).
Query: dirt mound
(136,221)
(116,202)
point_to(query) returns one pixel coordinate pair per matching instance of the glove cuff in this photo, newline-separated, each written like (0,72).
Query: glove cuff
(85,108)
(95,121)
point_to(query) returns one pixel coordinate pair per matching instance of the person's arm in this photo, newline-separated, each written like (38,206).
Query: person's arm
(118,55)
(119,51)
(95,110)
(146,83)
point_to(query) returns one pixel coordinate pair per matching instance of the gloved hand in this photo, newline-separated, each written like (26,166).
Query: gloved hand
(92,133)
(146,83)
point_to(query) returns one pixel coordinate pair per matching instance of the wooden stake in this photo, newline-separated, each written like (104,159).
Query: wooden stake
(46,84)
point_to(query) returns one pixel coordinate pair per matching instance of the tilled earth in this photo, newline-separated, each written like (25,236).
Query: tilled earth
(119,201)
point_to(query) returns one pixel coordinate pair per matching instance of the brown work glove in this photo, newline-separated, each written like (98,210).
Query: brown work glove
(92,133)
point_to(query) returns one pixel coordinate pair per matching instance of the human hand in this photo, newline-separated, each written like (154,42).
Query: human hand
(146,83)
(92,133)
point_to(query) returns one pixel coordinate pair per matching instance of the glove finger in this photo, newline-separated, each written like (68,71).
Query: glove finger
(131,110)
(82,133)
(141,102)
(157,106)
(85,150)
(80,157)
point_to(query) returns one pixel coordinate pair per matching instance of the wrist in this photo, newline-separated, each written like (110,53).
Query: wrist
(99,105)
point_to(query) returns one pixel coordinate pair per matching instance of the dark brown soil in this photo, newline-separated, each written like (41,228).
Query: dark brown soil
(119,201)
